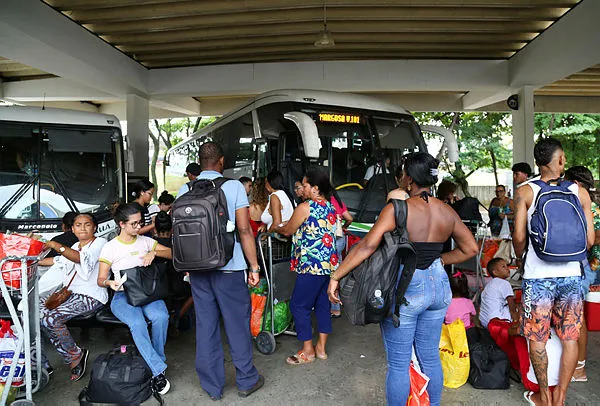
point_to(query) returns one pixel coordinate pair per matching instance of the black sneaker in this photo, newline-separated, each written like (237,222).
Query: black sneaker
(259,384)
(161,384)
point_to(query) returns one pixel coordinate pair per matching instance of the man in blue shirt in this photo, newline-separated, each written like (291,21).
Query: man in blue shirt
(224,292)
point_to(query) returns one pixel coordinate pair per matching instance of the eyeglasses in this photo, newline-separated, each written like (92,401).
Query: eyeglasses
(135,224)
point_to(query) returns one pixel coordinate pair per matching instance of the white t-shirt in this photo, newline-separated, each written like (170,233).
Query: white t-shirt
(371,172)
(535,268)
(121,255)
(287,209)
(86,281)
(153,210)
(493,301)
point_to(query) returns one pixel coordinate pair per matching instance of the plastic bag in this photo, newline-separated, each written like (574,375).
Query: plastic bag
(283,317)
(16,245)
(8,346)
(258,307)
(418,395)
(505,230)
(454,354)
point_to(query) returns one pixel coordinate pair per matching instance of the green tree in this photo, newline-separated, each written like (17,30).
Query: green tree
(578,133)
(481,139)
(164,134)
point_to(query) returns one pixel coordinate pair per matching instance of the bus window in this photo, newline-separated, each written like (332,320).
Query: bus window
(237,140)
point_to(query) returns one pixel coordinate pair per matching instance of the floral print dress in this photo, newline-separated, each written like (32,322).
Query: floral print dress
(313,244)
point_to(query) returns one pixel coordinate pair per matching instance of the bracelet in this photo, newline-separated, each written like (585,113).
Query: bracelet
(442,261)
(333,278)
(104,282)
(257,270)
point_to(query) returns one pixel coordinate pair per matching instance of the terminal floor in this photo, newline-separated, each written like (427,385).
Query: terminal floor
(354,374)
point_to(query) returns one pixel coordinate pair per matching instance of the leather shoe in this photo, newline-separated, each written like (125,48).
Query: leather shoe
(259,384)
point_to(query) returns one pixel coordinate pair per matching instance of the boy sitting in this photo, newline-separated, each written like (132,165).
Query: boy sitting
(499,312)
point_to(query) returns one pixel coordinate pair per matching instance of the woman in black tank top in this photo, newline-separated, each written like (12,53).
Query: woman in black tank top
(430,222)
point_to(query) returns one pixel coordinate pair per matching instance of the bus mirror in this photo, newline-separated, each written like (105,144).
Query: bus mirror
(308,132)
(449,138)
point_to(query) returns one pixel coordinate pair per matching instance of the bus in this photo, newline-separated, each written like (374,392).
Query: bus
(291,130)
(53,161)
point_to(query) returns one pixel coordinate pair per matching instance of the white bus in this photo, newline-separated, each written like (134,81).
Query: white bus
(293,129)
(53,161)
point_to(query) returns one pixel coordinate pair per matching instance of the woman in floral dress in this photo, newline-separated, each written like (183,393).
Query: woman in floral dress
(314,257)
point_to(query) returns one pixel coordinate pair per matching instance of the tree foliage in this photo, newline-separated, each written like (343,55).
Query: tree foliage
(164,134)
(578,133)
(482,142)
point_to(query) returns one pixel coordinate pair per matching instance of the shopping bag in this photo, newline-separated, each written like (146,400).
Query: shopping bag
(258,307)
(418,395)
(505,230)
(505,251)
(490,247)
(20,246)
(8,346)
(454,354)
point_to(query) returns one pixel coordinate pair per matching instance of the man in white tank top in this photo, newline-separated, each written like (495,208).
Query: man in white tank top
(552,294)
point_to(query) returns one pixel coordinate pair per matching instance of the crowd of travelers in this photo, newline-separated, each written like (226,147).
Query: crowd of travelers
(317,219)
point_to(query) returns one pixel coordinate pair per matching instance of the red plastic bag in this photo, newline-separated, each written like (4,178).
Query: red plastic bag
(352,240)
(258,307)
(20,246)
(418,395)
(490,247)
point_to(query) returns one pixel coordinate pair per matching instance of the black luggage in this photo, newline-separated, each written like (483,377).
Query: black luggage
(120,377)
(489,364)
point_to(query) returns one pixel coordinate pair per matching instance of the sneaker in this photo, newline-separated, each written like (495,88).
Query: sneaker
(161,384)
(259,384)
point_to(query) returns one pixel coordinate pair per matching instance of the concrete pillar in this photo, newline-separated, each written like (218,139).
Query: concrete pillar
(522,127)
(138,114)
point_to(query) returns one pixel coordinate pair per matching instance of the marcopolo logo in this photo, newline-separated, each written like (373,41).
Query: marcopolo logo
(37,227)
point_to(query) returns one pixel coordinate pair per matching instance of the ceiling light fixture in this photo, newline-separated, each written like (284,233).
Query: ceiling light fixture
(324,38)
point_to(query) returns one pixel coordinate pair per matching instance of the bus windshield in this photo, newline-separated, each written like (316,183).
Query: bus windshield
(46,171)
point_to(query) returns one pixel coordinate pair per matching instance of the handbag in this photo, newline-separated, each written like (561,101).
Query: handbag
(146,284)
(61,296)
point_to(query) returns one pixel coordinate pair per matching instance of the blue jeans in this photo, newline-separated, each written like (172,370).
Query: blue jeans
(153,351)
(340,244)
(421,322)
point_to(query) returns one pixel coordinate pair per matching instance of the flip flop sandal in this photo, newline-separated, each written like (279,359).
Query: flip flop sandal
(580,365)
(336,316)
(527,395)
(299,359)
(322,356)
(79,370)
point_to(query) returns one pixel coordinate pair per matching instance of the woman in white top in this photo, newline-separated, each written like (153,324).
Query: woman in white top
(79,263)
(129,250)
(279,208)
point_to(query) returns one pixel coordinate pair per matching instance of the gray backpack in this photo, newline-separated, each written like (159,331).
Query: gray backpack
(201,241)
(379,273)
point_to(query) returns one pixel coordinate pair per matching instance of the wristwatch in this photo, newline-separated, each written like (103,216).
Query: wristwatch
(257,270)
(62,249)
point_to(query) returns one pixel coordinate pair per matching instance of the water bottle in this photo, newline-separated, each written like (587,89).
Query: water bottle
(376,301)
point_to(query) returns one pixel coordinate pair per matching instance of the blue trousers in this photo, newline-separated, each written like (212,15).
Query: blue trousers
(310,292)
(222,294)
(421,322)
(152,350)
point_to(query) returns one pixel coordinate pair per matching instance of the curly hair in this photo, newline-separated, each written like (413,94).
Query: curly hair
(259,194)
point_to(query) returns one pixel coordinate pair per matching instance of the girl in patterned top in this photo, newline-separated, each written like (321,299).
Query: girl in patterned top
(314,257)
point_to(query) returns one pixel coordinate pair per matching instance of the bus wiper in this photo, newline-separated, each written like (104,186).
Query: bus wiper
(18,195)
(63,192)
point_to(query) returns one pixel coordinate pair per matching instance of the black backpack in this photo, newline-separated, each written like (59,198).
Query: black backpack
(379,272)
(120,377)
(489,364)
(201,241)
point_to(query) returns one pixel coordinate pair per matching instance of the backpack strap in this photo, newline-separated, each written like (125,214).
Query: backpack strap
(406,251)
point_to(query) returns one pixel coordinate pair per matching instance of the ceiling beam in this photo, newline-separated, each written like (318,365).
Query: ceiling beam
(186,106)
(54,89)
(356,76)
(36,35)
(569,46)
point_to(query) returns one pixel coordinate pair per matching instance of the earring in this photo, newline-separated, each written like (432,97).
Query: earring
(409,187)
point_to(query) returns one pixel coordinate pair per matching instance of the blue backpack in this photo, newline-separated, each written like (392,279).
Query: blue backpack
(558,228)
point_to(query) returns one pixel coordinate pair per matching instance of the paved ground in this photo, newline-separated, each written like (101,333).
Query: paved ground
(354,374)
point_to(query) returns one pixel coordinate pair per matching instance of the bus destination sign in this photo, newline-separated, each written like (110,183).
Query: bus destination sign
(339,118)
